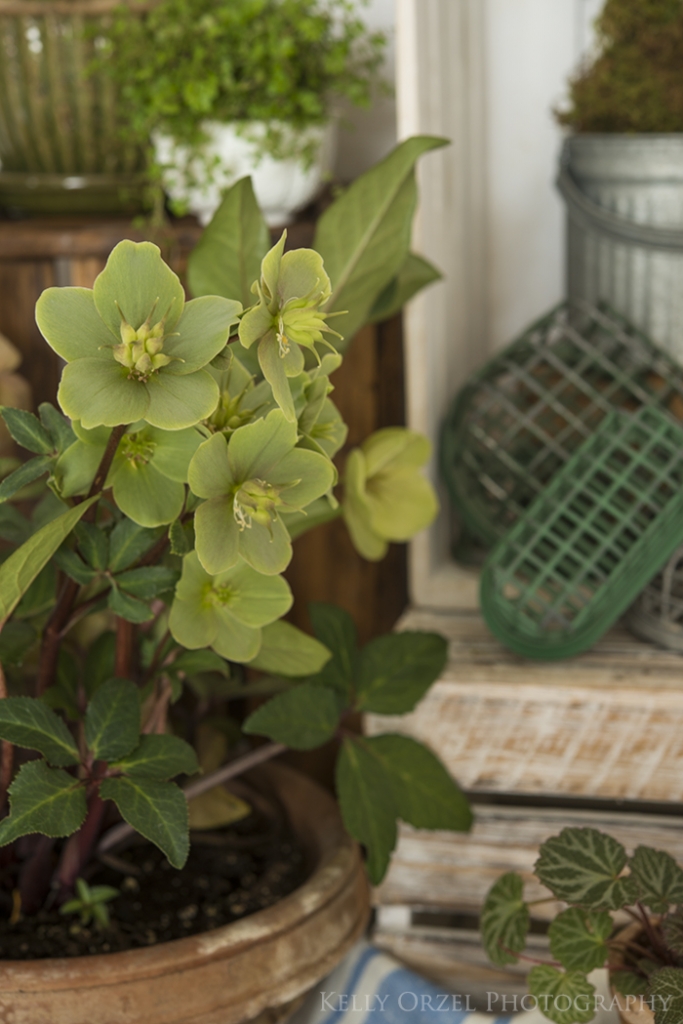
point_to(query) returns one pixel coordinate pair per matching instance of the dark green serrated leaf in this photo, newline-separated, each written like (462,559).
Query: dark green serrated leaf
(16,639)
(395,671)
(157,810)
(334,627)
(302,718)
(565,998)
(128,607)
(159,757)
(425,794)
(179,539)
(666,990)
(112,721)
(583,866)
(504,920)
(73,565)
(26,474)
(658,877)
(43,799)
(149,582)
(18,572)
(27,430)
(578,939)
(672,926)
(57,426)
(366,801)
(628,984)
(29,723)
(14,527)
(99,662)
(63,695)
(93,544)
(128,542)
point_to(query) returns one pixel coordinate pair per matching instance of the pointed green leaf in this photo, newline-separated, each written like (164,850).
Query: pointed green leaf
(366,801)
(578,939)
(148,582)
(157,810)
(99,662)
(43,799)
(395,671)
(287,651)
(127,607)
(658,877)
(129,542)
(112,720)
(159,757)
(425,794)
(179,539)
(335,628)
(564,998)
(93,545)
(74,566)
(505,920)
(302,718)
(193,662)
(583,866)
(27,430)
(16,640)
(18,572)
(29,723)
(26,474)
(14,527)
(415,274)
(57,426)
(364,237)
(227,259)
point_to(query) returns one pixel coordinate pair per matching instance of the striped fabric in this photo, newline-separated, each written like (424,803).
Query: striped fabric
(370,987)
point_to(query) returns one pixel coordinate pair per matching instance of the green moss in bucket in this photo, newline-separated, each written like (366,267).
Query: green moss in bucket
(635,82)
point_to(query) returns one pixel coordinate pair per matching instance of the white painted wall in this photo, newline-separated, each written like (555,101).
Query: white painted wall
(370,134)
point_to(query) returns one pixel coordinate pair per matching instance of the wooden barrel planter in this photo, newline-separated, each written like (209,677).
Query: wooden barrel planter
(61,146)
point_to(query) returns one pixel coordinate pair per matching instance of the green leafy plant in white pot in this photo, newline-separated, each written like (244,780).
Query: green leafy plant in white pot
(142,605)
(245,87)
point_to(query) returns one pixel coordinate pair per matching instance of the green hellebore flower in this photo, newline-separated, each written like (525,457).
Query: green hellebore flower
(292,291)
(148,474)
(135,350)
(386,498)
(247,482)
(226,612)
(241,399)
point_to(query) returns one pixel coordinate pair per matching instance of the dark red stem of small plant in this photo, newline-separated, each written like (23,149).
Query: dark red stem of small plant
(228,771)
(36,875)
(658,945)
(7,755)
(79,846)
(52,637)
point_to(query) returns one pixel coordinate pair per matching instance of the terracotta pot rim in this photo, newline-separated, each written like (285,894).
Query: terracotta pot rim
(332,873)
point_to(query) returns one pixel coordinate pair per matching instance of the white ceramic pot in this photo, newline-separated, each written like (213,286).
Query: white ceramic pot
(282,187)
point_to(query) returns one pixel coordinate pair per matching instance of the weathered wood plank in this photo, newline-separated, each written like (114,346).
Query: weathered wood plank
(607,724)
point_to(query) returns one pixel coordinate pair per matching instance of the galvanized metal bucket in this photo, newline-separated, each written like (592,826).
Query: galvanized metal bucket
(624,196)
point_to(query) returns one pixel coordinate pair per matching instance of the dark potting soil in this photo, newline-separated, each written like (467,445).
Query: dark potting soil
(230,874)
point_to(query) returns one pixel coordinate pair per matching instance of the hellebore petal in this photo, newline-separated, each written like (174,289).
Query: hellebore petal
(69,322)
(209,473)
(274,370)
(266,549)
(201,333)
(134,282)
(145,495)
(217,535)
(258,447)
(303,276)
(179,402)
(100,393)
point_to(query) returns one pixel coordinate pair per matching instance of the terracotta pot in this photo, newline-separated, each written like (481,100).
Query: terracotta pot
(629,1012)
(253,970)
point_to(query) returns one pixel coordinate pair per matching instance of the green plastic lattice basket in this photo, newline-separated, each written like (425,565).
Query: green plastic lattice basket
(521,417)
(586,547)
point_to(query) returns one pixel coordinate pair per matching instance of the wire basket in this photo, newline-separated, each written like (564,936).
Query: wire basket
(519,420)
(657,614)
(585,548)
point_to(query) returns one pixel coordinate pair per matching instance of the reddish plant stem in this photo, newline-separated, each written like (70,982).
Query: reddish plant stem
(52,638)
(123,663)
(156,722)
(79,846)
(228,771)
(7,755)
